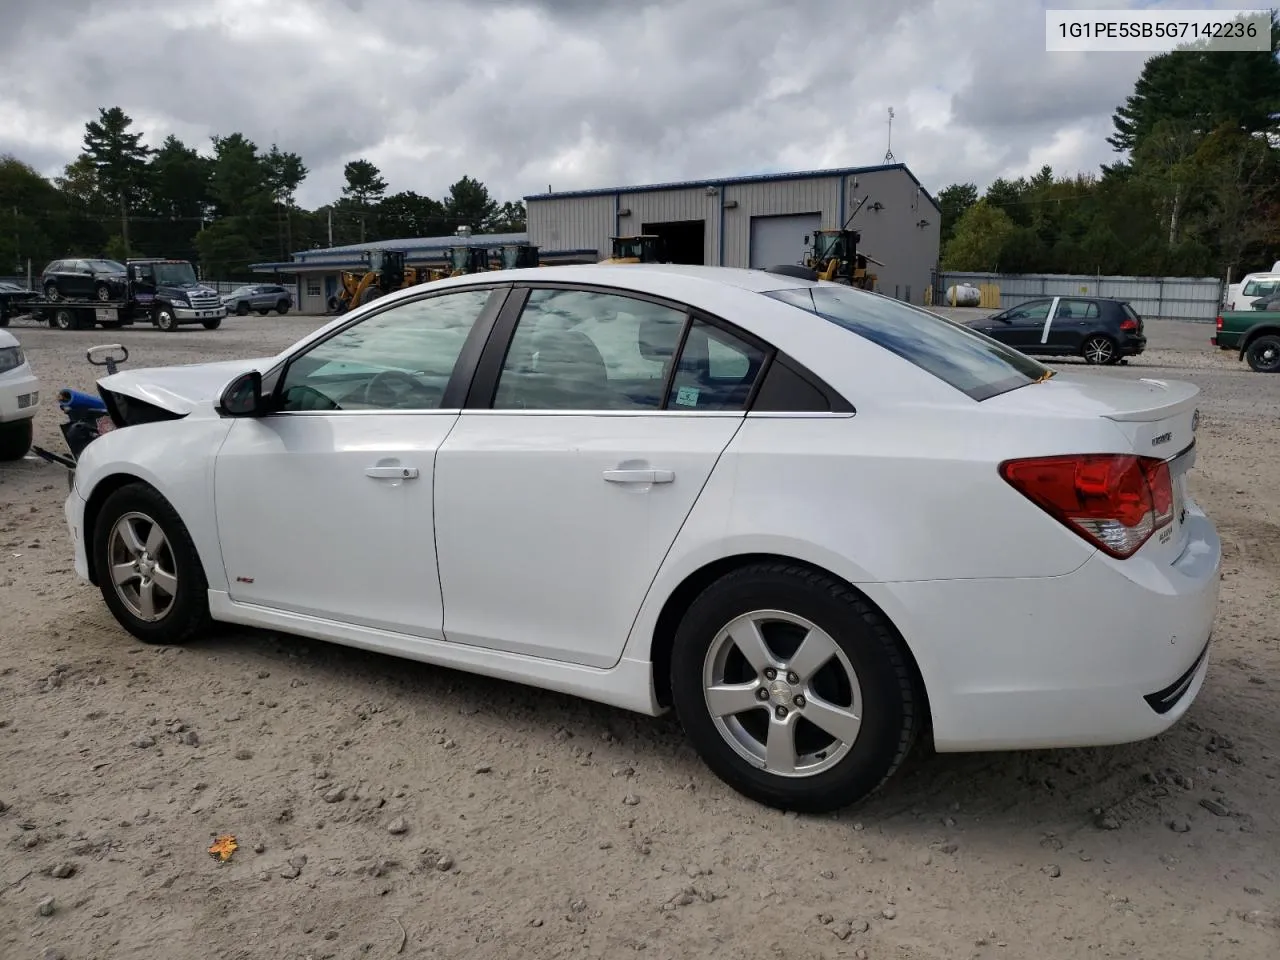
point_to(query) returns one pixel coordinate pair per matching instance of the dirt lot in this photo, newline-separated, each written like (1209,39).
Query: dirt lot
(388,808)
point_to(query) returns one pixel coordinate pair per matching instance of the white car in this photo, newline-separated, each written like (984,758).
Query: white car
(813,520)
(19,399)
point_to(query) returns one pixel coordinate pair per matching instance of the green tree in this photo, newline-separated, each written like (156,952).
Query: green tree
(954,201)
(508,218)
(120,159)
(979,239)
(408,214)
(180,199)
(468,204)
(364,187)
(284,174)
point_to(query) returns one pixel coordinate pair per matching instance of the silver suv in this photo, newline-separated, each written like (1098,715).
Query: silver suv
(261,297)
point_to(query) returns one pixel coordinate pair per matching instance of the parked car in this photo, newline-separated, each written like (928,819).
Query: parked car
(1255,334)
(263,297)
(12,296)
(19,399)
(1251,289)
(85,280)
(1097,328)
(805,516)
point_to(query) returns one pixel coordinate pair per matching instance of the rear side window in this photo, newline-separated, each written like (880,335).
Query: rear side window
(1260,288)
(976,365)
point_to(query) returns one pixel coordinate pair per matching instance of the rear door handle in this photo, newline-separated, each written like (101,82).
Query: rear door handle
(391,473)
(639,476)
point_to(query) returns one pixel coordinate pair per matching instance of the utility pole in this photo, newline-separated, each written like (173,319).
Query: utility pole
(331,226)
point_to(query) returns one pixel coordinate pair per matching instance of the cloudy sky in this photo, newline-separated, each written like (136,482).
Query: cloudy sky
(570,93)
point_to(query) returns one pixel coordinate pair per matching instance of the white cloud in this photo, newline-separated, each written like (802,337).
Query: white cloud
(568,92)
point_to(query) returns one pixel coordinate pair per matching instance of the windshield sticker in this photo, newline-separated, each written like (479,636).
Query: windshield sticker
(687,397)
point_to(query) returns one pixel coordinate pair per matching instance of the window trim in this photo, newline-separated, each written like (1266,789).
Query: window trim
(464,367)
(484,385)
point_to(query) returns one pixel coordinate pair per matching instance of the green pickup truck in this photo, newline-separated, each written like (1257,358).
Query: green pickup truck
(1255,333)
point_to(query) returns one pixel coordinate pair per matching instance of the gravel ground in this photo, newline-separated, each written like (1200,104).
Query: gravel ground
(385,808)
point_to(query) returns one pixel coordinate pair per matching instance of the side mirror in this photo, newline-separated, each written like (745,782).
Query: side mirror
(242,397)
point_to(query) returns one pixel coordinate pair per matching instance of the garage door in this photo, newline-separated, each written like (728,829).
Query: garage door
(779,240)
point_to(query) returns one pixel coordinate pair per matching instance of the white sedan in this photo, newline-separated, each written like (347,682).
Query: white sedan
(19,399)
(813,520)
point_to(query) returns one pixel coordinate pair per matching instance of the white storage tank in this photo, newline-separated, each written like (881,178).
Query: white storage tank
(963,295)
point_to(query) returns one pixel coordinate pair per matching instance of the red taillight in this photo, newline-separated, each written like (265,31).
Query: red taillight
(1114,501)
(1128,324)
(1218,323)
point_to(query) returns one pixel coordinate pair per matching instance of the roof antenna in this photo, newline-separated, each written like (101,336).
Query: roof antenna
(888,152)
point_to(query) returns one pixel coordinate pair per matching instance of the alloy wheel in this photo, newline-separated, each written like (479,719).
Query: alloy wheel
(1099,350)
(142,566)
(782,693)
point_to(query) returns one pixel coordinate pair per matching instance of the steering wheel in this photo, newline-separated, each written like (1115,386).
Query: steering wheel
(390,396)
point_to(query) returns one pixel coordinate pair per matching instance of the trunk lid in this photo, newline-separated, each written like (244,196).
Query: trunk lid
(178,390)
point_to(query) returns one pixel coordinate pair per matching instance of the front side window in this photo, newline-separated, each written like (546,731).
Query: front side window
(587,350)
(1260,288)
(1036,310)
(976,365)
(399,359)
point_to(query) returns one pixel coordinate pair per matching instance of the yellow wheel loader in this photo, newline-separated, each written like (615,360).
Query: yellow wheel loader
(643,248)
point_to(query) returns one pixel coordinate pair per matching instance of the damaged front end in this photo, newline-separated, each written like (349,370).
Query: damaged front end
(89,416)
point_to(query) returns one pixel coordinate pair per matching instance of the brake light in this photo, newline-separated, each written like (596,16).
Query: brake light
(1114,501)
(1127,324)
(1218,323)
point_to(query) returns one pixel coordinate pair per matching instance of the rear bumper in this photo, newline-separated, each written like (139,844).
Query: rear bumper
(1111,653)
(1133,345)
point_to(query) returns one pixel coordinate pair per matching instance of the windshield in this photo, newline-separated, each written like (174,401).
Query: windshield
(976,365)
(106,266)
(1260,288)
(177,274)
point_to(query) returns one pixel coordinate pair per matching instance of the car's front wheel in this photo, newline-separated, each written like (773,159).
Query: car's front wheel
(242,309)
(166,320)
(792,688)
(147,567)
(15,439)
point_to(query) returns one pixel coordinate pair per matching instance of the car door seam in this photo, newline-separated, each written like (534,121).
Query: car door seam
(680,529)
(435,533)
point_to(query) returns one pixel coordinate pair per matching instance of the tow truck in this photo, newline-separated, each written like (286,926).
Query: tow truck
(163,292)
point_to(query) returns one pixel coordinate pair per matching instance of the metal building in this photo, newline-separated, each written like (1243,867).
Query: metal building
(758,221)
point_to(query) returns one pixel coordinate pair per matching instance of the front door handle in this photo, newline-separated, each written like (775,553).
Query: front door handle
(639,476)
(391,473)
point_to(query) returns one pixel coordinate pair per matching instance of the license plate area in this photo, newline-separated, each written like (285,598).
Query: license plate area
(104,314)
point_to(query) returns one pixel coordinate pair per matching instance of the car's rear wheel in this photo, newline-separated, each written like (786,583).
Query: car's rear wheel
(1263,355)
(102,292)
(15,439)
(242,309)
(792,688)
(282,307)
(65,319)
(1099,349)
(51,290)
(147,567)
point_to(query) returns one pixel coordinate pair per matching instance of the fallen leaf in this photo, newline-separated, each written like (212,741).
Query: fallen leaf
(223,847)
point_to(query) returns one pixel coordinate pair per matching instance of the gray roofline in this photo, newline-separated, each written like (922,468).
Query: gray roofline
(734,181)
(337,265)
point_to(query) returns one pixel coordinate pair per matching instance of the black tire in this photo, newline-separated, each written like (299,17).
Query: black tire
(334,304)
(65,318)
(165,319)
(891,704)
(101,292)
(51,290)
(370,294)
(282,307)
(1098,348)
(15,439)
(211,324)
(188,607)
(263,313)
(242,309)
(1263,354)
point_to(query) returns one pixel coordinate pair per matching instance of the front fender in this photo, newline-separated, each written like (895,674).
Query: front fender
(176,457)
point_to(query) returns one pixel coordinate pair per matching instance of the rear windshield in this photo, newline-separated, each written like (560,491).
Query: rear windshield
(976,365)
